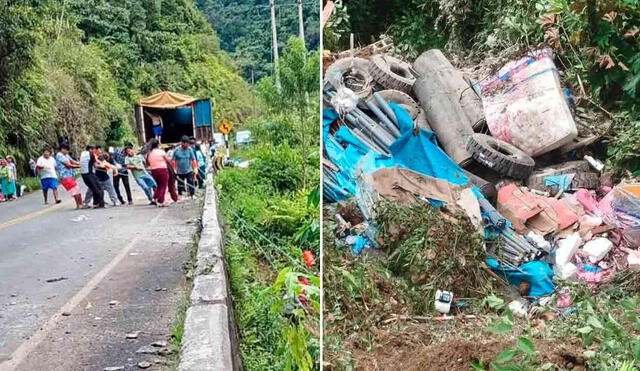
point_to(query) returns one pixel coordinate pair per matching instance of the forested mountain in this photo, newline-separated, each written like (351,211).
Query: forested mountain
(244,28)
(76,67)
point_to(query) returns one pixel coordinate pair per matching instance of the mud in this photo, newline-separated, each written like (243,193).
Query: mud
(459,354)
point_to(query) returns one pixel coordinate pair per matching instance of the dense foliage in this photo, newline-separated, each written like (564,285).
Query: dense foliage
(271,212)
(244,27)
(597,45)
(76,68)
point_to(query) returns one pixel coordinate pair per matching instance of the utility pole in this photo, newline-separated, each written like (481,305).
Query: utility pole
(301,21)
(274,36)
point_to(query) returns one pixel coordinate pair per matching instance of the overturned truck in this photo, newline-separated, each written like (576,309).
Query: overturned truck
(425,133)
(171,115)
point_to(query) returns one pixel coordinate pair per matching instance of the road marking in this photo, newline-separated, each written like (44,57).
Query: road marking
(38,213)
(23,351)
(30,216)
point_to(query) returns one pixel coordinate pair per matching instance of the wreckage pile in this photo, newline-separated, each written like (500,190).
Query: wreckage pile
(504,151)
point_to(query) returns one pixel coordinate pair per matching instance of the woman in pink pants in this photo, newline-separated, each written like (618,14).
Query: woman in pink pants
(159,163)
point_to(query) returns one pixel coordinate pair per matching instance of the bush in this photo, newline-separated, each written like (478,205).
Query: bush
(279,166)
(285,215)
(31,183)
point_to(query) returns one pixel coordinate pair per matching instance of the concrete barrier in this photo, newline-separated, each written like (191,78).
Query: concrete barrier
(210,339)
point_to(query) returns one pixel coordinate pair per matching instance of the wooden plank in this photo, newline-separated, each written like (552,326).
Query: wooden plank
(327,11)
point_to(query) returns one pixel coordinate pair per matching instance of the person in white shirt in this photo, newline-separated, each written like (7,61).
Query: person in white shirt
(46,168)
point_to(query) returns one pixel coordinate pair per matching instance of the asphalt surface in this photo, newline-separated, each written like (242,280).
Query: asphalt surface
(112,272)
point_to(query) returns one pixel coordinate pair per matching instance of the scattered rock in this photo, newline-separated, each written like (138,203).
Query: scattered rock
(13,303)
(66,314)
(14,295)
(165,352)
(133,335)
(159,344)
(56,279)
(144,364)
(80,218)
(114,302)
(147,349)
(114,368)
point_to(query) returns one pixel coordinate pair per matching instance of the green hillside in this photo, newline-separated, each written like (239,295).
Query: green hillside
(75,68)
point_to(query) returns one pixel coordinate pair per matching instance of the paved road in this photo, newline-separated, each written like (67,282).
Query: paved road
(122,270)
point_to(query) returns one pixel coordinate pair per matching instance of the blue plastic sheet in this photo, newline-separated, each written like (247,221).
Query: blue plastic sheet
(562,181)
(538,273)
(416,150)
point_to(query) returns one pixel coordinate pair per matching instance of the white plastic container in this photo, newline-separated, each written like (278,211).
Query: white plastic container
(567,248)
(566,272)
(597,249)
(525,105)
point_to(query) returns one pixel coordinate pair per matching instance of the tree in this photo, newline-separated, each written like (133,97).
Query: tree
(298,92)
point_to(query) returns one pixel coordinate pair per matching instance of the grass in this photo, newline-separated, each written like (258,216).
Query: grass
(263,211)
(377,312)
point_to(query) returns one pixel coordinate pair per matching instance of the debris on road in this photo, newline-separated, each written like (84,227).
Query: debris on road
(133,335)
(144,364)
(159,344)
(147,349)
(57,279)
(489,158)
(80,218)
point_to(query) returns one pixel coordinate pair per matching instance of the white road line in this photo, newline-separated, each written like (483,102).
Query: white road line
(28,346)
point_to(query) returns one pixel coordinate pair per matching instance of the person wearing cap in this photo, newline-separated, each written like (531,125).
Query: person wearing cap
(186,166)
(14,169)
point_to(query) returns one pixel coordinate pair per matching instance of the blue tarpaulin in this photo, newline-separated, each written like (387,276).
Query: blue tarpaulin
(415,150)
(537,273)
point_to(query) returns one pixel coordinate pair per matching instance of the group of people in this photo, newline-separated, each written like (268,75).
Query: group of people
(10,188)
(178,170)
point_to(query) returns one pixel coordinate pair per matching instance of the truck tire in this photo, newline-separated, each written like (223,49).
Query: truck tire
(500,156)
(392,73)
(351,67)
(568,167)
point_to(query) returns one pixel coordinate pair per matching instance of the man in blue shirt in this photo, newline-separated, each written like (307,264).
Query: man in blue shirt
(65,165)
(185,163)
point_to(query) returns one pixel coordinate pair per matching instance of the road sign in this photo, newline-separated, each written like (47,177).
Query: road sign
(225,127)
